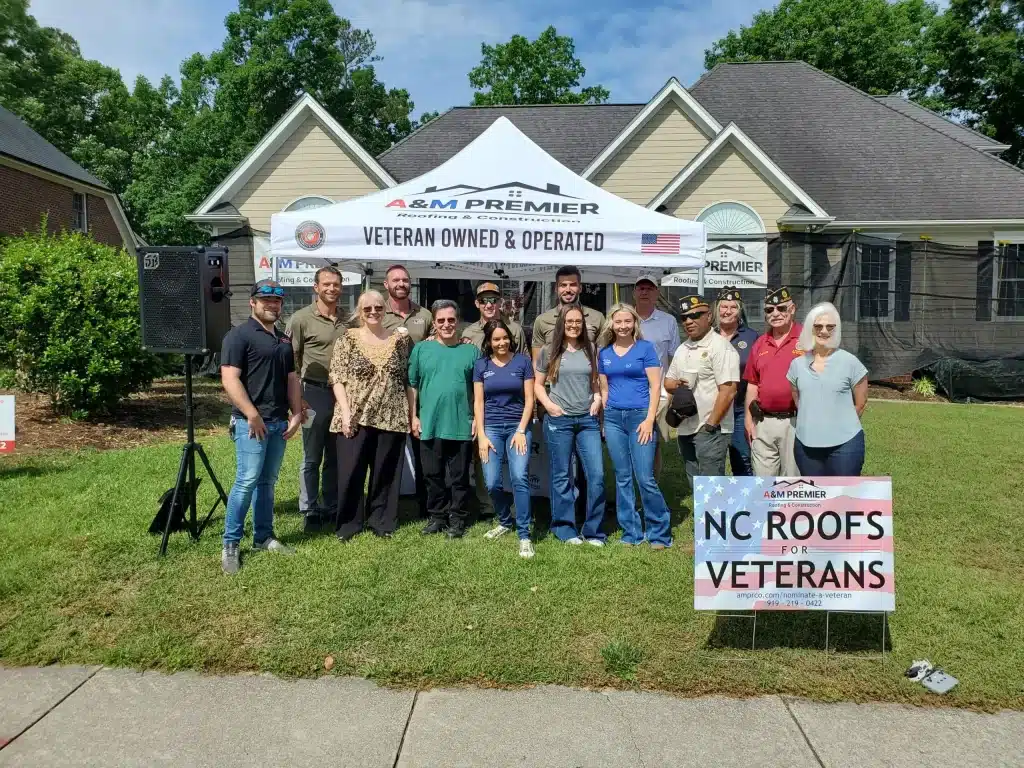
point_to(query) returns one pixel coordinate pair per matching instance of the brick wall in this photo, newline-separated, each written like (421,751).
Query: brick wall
(26,198)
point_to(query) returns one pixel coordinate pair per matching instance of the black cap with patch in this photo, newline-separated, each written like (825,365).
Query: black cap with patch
(778,296)
(729,294)
(267,289)
(693,301)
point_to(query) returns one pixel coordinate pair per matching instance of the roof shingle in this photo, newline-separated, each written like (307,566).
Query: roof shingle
(19,141)
(941,124)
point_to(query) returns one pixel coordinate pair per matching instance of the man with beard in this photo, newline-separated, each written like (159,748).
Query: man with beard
(568,287)
(258,373)
(710,367)
(771,410)
(488,301)
(313,330)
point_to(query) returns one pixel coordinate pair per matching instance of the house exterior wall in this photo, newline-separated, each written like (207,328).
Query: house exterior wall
(653,157)
(309,162)
(729,176)
(26,198)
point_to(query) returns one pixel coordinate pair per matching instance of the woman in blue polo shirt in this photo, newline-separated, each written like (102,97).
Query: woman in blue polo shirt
(503,408)
(630,378)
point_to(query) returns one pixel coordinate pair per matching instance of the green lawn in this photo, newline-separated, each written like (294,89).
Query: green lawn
(80,583)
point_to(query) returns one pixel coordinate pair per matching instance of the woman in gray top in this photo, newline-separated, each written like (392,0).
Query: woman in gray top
(830,388)
(566,385)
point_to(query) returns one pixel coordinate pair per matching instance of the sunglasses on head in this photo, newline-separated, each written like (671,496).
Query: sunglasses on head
(771,309)
(275,291)
(694,315)
(375,308)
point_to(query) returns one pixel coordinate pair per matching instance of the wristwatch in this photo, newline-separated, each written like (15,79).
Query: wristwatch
(520,431)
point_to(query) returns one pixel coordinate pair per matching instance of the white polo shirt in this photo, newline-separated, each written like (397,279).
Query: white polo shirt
(704,365)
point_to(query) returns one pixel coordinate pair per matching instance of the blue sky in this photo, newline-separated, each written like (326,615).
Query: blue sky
(428,45)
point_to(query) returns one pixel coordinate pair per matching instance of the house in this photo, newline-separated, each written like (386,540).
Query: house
(910,223)
(36,178)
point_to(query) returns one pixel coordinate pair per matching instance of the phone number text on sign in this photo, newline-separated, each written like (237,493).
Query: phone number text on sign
(6,423)
(778,543)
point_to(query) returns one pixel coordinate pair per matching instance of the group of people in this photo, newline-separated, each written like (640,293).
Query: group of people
(786,402)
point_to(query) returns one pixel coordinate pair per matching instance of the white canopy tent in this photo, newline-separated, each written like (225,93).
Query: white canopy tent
(500,208)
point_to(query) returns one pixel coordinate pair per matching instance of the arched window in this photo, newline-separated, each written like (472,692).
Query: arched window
(729,218)
(307,202)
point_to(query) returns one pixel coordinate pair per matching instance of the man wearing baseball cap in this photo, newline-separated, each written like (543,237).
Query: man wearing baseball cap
(662,330)
(258,374)
(488,301)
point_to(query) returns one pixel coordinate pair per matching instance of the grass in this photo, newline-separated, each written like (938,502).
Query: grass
(80,583)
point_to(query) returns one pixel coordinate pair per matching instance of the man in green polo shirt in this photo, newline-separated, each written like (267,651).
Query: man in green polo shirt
(400,311)
(568,286)
(313,331)
(488,301)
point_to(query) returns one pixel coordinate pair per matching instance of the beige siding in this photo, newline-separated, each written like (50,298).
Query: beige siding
(309,162)
(653,157)
(730,176)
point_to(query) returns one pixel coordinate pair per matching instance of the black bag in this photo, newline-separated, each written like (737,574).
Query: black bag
(682,407)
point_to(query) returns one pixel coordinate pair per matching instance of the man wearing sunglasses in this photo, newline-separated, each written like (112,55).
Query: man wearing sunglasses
(488,301)
(258,373)
(771,411)
(313,331)
(707,364)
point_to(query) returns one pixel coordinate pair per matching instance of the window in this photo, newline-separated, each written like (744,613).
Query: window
(877,282)
(308,202)
(1008,289)
(79,219)
(728,218)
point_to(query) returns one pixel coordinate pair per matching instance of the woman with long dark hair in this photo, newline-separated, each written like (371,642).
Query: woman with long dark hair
(503,408)
(567,387)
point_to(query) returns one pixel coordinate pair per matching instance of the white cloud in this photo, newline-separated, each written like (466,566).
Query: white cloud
(428,46)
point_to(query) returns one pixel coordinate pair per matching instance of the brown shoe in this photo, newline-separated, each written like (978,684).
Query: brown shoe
(658,545)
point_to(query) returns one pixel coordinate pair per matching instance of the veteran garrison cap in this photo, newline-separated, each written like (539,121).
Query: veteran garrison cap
(693,301)
(778,296)
(729,294)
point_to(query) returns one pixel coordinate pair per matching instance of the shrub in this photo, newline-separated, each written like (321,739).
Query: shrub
(925,386)
(71,307)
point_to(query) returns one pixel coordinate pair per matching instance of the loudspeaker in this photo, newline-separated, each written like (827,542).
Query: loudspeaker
(184,298)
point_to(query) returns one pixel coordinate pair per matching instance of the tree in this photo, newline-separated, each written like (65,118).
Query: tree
(545,71)
(874,45)
(977,58)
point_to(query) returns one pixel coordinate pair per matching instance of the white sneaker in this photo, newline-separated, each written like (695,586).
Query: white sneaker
(273,545)
(494,533)
(595,542)
(525,548)
(574,540)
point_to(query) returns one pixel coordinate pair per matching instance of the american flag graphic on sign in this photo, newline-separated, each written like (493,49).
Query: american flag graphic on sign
(779,543)
(666,244)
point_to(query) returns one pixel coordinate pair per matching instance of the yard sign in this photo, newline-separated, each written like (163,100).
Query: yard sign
(783,543)
(6,423)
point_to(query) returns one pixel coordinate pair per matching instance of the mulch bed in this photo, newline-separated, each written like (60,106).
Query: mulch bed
(157,415)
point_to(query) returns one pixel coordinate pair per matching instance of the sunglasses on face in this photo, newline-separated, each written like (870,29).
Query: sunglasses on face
(375,309)
(573,323)
(489,300)
(827,327)
(770,310)
(445,321)
(273,291)
(693,315)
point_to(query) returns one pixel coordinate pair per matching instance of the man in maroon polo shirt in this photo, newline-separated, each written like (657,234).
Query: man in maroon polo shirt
(771,412)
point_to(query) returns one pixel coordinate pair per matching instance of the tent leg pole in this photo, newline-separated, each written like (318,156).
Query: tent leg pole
(273,266)
(700,281)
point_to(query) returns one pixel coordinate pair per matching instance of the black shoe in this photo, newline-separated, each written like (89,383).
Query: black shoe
(434,526)
(456,532)
(384,535)
(343,537)
(312,522)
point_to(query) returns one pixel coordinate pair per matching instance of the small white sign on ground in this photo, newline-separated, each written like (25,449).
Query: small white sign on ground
(6,423)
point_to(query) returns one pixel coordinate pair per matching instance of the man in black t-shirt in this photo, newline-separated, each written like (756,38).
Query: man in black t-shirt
(258,373)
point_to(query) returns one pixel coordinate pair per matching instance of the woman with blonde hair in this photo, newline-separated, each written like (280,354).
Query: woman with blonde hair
(630,379)
(830,387)
(369,374)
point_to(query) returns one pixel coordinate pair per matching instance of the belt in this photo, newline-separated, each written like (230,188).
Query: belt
(779,414)
(314,383)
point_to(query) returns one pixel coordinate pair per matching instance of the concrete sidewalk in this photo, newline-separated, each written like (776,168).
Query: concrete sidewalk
(62,716)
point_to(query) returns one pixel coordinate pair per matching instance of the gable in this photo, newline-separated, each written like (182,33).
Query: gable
(653,156)
(309,162)
(729,176)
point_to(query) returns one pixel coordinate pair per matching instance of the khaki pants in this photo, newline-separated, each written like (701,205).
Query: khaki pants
(771,451)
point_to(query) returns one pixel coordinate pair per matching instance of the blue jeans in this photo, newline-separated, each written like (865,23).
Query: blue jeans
(739,448)
(258,462)
(581,435)
(500,435)
(845,460)
(633,460)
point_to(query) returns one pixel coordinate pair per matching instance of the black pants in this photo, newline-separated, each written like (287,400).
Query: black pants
(421,483)
(380,452)
(446,473)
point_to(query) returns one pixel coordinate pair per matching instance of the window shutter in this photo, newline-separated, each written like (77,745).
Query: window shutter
(983,304)
(904,274)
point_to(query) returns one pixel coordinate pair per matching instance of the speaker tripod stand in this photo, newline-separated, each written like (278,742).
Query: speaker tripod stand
(183,496)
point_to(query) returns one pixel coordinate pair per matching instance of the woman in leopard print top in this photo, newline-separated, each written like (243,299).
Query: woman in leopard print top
(370,377)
